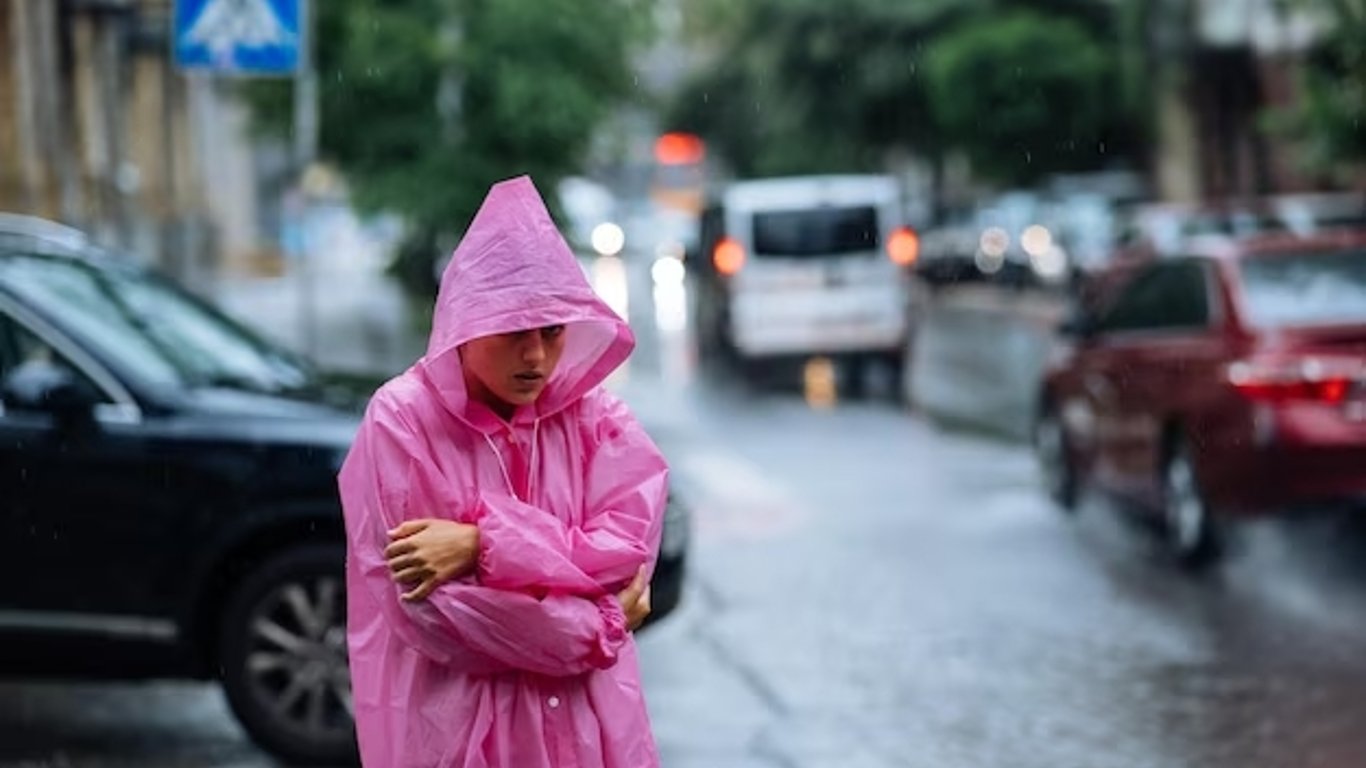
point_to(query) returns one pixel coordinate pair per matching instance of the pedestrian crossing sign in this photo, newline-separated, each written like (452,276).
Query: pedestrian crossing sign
(249,37)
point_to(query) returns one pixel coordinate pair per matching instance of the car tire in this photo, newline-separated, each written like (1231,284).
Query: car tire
(1191,532)
(905,380)
(1055,459)
(282,657)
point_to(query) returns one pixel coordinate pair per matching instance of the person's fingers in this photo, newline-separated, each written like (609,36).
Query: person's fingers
(428,587)
(642,611)
(634,589)
(411,575)
(404,562)
(408,528)
(399,548)
(631,595)
(421,591)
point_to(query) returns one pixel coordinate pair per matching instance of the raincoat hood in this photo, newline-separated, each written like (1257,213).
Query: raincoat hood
(513,271)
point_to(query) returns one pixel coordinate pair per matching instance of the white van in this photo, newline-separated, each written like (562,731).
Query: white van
(804,266)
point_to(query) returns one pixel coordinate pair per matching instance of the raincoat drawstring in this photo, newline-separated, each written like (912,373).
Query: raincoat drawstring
(531,468)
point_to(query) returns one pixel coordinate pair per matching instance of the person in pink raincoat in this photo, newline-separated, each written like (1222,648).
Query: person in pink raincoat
(503,516)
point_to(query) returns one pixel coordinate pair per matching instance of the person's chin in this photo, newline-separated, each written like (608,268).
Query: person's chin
(524,395)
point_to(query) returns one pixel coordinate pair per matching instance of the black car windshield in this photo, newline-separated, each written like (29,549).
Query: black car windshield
(1326,288)
(156,330)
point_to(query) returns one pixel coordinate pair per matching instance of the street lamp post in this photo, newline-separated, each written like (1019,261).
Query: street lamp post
(305,152)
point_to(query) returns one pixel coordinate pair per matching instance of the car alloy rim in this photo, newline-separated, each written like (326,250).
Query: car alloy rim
(1185,510)
(296,657)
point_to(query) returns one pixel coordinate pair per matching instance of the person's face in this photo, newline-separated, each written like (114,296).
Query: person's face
(511,369)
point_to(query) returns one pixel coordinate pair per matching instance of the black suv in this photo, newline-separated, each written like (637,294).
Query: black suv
(168,502)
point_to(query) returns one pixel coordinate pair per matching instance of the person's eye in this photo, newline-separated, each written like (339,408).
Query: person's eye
(552,331)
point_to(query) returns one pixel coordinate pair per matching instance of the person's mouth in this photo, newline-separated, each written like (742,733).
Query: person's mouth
(530,377)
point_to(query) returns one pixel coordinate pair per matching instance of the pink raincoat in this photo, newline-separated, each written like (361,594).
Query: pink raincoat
(527,663)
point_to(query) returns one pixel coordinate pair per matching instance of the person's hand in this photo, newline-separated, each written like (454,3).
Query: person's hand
(424,554)
(635,600)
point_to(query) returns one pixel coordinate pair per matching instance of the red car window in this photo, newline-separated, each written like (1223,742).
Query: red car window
(1167,296)
(1326,288)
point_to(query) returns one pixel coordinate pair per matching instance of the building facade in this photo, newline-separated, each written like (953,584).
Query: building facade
(98,129)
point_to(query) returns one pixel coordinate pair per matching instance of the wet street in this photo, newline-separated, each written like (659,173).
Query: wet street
(870,592)
(867,590)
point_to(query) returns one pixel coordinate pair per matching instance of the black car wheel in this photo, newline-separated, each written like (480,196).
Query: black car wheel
(1191,532)
(1055,460)
(283,657)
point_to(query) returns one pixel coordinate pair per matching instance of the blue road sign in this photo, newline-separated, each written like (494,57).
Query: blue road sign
(248,37)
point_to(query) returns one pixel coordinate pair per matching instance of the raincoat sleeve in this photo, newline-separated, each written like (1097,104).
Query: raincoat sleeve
(626,485)
(475,628)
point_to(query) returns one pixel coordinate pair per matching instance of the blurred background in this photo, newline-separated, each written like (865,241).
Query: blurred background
(1010,356)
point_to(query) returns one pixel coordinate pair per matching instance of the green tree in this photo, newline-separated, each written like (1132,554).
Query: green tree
(803,85)
(808,85)
(425,103)
(1024,94)
(1331,118)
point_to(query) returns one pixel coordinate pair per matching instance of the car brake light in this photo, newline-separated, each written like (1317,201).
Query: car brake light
(903,248)
(1307,382)
(728,257)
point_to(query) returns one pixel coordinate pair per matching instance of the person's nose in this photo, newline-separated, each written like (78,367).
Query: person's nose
(533,349)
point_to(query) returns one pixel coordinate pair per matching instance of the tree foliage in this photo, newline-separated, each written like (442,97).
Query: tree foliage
(1024,95)
(1331,118)
(806,85)
(425,103)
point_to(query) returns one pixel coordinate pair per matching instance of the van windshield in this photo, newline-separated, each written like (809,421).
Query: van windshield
(816,232)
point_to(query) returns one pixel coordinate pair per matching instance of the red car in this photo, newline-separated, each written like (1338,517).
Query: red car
(1227,382)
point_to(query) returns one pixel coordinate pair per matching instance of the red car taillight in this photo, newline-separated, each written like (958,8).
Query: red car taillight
(729,257)
(1301,381)
(903,247)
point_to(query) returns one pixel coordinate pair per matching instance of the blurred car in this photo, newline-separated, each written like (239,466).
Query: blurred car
(1223,382)
(802,266)
(1308,214)
(1153,230)
(168,501)
(1020,238)
(1017,240)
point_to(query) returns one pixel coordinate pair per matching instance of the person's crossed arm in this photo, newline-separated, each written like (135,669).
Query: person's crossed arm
(516,546)
(426,553)
(462,623)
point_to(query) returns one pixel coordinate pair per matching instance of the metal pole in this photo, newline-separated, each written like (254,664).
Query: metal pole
(169,104)
(305,151)
(60,112)
(54,197)
(113,41)
(26,90)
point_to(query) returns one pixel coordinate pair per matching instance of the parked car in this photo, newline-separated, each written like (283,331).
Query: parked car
(1019,238)
(804,266)
(168,502)
(1227,381)
(1150,230)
